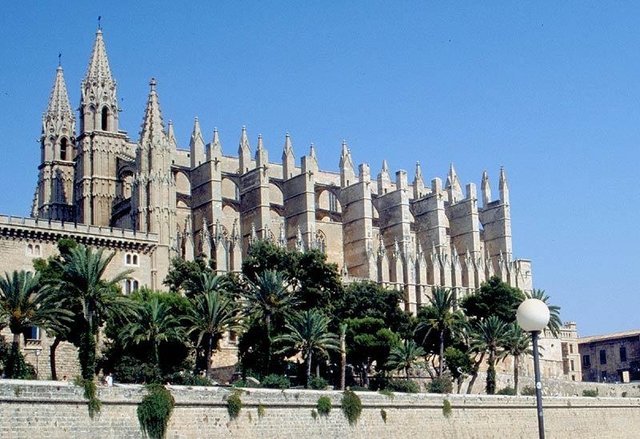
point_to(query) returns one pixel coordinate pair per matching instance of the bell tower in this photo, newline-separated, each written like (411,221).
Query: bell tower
(54,195)
(99,141)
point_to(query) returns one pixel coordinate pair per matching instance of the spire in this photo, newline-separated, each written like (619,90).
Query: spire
(171,135)
(215,148)
(196,145)
(152,132)
(288,159)
(384,179)
(486,189)
(99,63)
(418,183)
(59,105)
(312,151)
(261,153)
(244,151)
(347,174)
(504,188)
(453,184)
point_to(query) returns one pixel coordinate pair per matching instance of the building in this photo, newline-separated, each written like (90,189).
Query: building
(611,358)
(150,200)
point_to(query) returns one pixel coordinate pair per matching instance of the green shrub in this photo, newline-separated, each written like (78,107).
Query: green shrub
(188,379)
(132,370)
(351,406)
(440,385)
(13,364)
(324,405)
(528,391)
(360,389)
(379,382)
(275,381)
(155,410)
(507,391)
(590,393)
(404,386)
(318,383)
(246,384)
(314,414)
(261,411)
(624,394)
(446,408)
(383,415)
(234,405)
(386,392)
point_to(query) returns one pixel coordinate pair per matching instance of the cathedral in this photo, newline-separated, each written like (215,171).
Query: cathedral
(149,200)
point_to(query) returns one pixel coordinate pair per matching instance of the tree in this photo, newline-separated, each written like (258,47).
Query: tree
(493,298)
(404,356)
(343,355)
(458,363)
(83,279)
(516,343)
(183,275)
(211,314)
(439,316)
(554,322)
(488,336)
(153,324)
(308,332)
(267,299)
(25,302)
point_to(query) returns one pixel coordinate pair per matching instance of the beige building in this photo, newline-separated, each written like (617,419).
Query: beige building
(611,358)
(151,199)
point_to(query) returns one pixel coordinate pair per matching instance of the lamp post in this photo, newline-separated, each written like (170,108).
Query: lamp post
(533,316)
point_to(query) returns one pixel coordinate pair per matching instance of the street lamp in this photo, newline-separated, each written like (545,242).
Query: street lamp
(533,316)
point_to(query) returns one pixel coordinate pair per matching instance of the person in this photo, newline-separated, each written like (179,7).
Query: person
(109,380)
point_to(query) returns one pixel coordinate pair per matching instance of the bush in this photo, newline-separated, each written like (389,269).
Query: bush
(351,406)
(528,391)
(324,405)
(360,389)
(404,386)
(234,405)
(132,370)
(590,393)
(14,365)
(383,414)
(155,410)
(246,384)
(446,408)
(440,385)
(318,383)
(378,382)
(90,394)
(188,379)
(275,381)
(507,391)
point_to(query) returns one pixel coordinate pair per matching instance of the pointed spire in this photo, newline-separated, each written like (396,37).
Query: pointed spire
(347,174)
(288,159)
(288,146)
(196,145)
(171,135)
(385,166)
(486,189)
(262,158)
(503,186)
(312,151)
(453,184)
(384,179)
(152,133)
(59,105)
(214,151)
(244,151)
(98,69)
(418,182)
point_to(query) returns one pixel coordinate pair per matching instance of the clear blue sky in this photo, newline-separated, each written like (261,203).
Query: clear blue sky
(550,90)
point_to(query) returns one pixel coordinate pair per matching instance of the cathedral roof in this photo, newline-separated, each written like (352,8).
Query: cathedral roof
(99,63)
(59,99)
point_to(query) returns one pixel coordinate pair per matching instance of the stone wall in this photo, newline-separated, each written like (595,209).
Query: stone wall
(57,410)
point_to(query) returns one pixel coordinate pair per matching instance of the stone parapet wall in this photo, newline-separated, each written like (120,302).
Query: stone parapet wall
(56,409)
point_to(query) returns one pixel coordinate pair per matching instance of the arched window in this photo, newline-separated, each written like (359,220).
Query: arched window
(63,149)
(105,118)
(135,259)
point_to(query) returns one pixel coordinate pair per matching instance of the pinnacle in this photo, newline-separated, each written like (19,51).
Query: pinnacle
(59,99)
(152,125)
(98,69)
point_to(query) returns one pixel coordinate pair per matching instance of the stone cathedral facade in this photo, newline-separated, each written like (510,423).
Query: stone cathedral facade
(150,200)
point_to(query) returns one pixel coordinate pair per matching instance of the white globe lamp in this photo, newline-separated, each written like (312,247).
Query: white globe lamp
(533,315)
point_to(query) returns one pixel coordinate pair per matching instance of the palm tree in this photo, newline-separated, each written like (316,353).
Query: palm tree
(343,355)
(25,302)
(308,333)
(267,299)
(554,322)
(154,324)
(516,344)
(442,318)
(211,315)
(488,336)
(82,278)
(404,356)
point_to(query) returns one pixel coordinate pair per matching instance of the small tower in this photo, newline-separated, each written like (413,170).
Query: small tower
(486,189)
(504,187)
(288,159)
(418,183)
(347,174)
(244,152)
(54,195)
